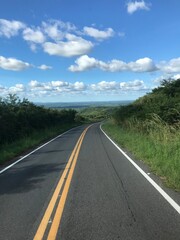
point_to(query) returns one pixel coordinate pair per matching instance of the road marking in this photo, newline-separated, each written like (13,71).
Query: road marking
(45,219)
(153,183)
(22,158)
(47,216)
(58,215)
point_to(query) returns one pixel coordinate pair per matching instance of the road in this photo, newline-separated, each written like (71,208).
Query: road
(81,187)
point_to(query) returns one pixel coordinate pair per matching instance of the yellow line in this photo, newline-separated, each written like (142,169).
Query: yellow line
(58,215)
(44,222)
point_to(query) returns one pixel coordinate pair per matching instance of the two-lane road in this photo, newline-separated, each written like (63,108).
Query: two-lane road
(80,186)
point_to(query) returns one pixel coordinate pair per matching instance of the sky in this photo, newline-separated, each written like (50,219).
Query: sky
(73,51)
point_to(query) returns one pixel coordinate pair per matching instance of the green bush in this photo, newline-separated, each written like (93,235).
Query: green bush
(20,118)
(163,101)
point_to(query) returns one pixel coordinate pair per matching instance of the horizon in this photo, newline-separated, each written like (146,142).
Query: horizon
(91,101)
(59,52)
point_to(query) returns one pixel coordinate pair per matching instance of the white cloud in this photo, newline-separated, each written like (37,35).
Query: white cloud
(36,88)
(3,90)
(137,5)
(18,88)
(56,37)
(53,31)
(13,64)
(177,76)
(142,65)
(57,29)
(44,67)
(97,34)
(117,87)
(74,46)
(135,85)
(105,86)
(84,63)
(35,84)
(173,66)
(59,84)
(10,28)
(56,87)
(65,26)
(114,66)
(79,86)
(166,77)
(33,35)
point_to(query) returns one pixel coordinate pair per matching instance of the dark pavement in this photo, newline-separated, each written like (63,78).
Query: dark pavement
(108,198)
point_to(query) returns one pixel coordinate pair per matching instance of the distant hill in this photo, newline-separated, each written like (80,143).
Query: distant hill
(76,105)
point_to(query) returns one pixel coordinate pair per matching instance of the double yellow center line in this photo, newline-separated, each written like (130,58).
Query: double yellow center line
(66,181)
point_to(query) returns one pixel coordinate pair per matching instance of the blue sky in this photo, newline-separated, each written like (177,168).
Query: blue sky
(62,50)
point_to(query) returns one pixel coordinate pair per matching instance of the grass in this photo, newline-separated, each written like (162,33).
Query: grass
(12,150)
(156,143)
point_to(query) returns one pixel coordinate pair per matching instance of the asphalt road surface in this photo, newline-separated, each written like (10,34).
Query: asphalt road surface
(81,187)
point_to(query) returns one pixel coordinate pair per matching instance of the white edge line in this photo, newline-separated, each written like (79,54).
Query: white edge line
(154,184)
(11,165)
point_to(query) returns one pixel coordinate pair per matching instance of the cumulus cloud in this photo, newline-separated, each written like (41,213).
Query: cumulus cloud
(13,64)
(142,65)
(56,37)
(53,31)
(35,84)
(137,5)
(165,77)
(65,26)
(10,28)
(85,62)
(56,86)
(117,87)
(44,67)
(135,85)
(18,88)
(173,66)
(57,29)
(33,35)
(59,84)
(62,88)
(74,46)
(105,86)
(79,86)
(99,34)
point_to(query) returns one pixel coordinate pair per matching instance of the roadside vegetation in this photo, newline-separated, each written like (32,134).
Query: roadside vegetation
(24,125)
(150,129)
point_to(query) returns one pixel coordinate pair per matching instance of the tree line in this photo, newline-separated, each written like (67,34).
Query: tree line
(19,118)
(164,101)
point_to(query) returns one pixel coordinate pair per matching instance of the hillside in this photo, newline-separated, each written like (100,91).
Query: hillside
(163,101)
(150,129)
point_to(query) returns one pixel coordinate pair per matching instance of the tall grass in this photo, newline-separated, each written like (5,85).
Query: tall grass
(153,141)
